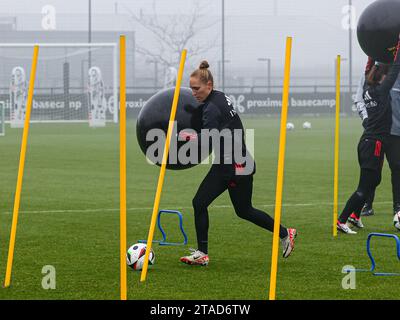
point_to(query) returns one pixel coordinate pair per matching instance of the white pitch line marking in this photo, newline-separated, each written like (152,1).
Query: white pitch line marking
(180,207)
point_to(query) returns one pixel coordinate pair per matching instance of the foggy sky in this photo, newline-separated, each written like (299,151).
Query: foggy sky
(232,7)
(316,26)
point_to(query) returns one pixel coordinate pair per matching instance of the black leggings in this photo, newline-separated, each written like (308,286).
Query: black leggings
(392,151)
(369,179)
(240,191)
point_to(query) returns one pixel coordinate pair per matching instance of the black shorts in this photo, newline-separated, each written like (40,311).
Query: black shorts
(370,154)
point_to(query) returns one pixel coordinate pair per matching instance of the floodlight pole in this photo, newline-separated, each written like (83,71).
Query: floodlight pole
(350,46)
(223,48)
(220,76)
(268,60)
(90,34)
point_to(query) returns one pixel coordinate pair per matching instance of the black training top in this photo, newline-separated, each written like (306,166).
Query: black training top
(218,113)
(378,103)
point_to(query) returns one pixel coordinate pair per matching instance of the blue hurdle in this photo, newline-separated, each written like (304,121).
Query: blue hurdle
(373,264)
(163,241)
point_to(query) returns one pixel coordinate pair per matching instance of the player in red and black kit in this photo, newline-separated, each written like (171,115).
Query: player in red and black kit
(374,140)
(226,173)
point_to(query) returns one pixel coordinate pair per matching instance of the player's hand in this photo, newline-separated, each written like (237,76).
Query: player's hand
(369,65)
(397,48)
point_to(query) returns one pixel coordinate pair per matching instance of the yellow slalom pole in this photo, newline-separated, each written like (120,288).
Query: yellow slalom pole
(122,164)
(163,166)
(24,143)
(281,165)
(336,161)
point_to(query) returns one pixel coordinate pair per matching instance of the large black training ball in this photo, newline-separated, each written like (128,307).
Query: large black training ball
(378,29)
(155,115)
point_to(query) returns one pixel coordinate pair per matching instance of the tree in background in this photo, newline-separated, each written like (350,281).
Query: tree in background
(172,34)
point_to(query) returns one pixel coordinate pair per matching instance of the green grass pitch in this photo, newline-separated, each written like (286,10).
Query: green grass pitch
(69,218)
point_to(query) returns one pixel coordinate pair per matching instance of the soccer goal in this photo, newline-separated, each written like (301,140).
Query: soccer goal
(75,82)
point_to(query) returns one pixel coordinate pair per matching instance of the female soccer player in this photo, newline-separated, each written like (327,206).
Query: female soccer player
(374,140)
(218,115)
(392,150)
(359,103)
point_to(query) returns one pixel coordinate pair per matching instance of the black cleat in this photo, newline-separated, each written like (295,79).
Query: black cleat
(396,209)
(367,211)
